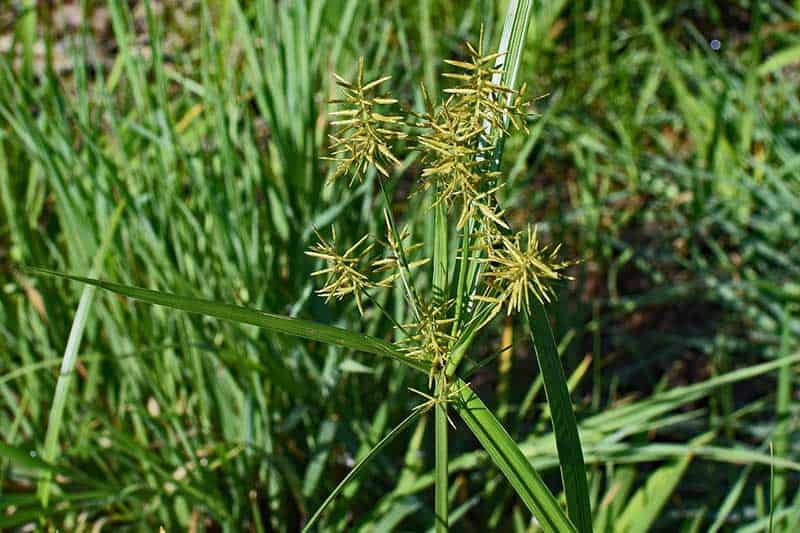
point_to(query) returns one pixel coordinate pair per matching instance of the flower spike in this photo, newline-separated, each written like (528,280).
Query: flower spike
(344,271)
(365,133)
(517,268)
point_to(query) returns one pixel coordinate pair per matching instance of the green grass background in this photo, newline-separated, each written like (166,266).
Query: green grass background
(668,169)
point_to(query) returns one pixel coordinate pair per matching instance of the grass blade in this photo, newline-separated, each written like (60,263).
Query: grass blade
(440,436)
(357,468)
(25,459)
(509,458)
(568,443)
(26,28)
(784,395)
(512,41)
(71,357)
(646,504)
(779,60)
(293,327)
(730,500)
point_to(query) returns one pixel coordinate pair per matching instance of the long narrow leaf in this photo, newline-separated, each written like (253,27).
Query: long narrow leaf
(71,355)
(294,327)
(644,507)
(358,466)
(515,467)
(568,442)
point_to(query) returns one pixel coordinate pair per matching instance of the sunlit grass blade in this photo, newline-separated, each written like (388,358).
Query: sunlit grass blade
(568,443)
(26,29)
(71,355)
(512,40)
(515,467)
(646,504)
(779,60)
(619,417)
(294,327)
(358,466)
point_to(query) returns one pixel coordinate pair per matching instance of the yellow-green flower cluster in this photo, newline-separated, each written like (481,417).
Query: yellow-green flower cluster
(364,133)
(428,337)
(345,271)
(517,268)
(458,138)
(461,135)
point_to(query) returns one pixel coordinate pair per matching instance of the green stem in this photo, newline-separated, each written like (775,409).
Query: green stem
(462,279)
(464,341)
(440,253)
(783,397)
(405,272)
(383,310)
(457,354)
(441,456)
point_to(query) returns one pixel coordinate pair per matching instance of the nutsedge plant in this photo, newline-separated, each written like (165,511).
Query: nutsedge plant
(457,137)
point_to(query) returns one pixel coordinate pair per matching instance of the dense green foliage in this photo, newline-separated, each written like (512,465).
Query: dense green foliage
(178,148)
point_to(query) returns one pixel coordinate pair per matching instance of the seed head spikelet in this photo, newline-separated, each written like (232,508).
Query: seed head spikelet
(345,271)
(430,339)
(483,103)
(454,165)
(517,268)
(460,135)
(365,133)
(392,262)
(450,394)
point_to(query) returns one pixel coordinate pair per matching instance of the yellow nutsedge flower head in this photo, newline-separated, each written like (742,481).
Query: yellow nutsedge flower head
(453,161)
(485,103)
(518,267)
(344,271)
(429,339)
(364,135)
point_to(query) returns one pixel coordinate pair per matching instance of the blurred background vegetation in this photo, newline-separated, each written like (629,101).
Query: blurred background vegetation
(665,156)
